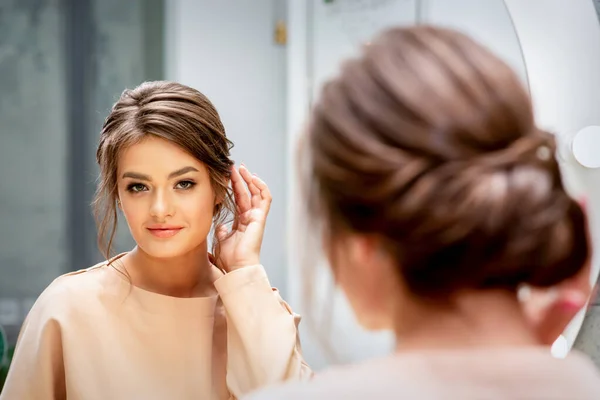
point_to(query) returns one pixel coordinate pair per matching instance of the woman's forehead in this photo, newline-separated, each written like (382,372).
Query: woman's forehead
(157,155)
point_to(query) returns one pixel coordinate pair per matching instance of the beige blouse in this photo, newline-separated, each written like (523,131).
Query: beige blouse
(527,373)
(92,335)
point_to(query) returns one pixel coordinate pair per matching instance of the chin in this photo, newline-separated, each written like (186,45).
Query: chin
(155,252)
(165,249)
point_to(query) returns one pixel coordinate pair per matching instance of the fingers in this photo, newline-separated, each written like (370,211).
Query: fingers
(247,176)
(221,231)
(558,315)
(265,193)
(572,295)
(242,200)
(260,194)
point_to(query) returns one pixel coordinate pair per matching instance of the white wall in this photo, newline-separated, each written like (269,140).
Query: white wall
(555,48)
(486,20)
(226,50)
(337,30)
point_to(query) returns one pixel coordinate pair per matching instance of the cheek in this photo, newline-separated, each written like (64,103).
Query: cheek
(134,211)
(135,214)
(197,210)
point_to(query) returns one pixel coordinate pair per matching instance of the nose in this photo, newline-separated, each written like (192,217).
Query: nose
(162,205)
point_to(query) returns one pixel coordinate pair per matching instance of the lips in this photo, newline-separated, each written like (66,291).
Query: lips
(164,231)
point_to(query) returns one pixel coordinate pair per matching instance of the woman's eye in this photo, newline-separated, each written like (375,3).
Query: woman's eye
(184,185)
(136,187)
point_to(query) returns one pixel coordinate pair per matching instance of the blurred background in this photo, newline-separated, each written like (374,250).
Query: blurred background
(64,62)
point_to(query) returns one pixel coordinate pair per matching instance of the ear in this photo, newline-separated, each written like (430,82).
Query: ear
(219,197)
(369,259)
(220,192)
(363,250)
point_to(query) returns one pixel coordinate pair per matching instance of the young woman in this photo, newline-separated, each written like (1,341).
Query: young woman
(167,320)
(438,198)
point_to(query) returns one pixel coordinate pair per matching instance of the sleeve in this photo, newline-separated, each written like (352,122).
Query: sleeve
(263,346)
(37,370)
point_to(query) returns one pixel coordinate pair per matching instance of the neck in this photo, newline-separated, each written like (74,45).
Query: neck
(474,319)
(188,275)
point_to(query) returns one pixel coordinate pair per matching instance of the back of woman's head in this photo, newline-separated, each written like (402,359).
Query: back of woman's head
(173,112)
(428,142)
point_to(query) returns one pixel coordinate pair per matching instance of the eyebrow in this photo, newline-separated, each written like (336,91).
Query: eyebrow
(174,174)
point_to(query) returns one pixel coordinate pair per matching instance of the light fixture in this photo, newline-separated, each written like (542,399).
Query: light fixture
(586,147)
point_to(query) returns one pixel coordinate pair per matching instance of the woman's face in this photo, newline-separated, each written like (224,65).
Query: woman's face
(166,197)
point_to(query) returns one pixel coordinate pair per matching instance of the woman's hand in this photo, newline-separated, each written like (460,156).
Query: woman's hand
(241,246)
(549,311)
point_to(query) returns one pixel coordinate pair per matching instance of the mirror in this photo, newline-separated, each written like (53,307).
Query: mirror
(559,66)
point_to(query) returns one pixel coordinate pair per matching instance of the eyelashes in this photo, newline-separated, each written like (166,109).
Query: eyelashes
(185,185)
(137,187)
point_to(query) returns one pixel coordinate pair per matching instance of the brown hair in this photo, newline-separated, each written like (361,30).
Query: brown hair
(428,141)
(170,111)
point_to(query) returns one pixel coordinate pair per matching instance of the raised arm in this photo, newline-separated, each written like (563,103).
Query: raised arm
(262,333)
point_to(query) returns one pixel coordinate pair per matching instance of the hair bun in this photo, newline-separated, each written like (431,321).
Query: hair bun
(498,221)
(428,141)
